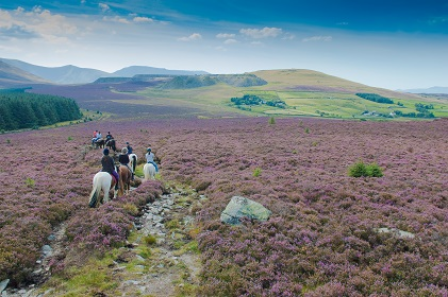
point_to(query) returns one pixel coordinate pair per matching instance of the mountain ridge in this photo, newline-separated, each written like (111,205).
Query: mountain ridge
(70,74)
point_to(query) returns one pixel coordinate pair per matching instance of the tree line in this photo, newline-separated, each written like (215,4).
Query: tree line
(375,98)
(249,99)
(21,110)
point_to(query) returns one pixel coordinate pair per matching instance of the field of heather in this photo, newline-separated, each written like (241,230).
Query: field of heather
(321,238)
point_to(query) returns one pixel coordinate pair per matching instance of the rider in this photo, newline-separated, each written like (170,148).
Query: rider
(150,158)
(129,147)
(95,136)
(109,137)
(123,159)
(108,165)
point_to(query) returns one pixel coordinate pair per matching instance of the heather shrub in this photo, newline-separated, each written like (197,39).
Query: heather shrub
(202,186)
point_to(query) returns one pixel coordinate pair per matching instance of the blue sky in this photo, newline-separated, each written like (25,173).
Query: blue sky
(389,44)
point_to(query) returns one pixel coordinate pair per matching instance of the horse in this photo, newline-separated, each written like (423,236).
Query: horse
(101,181)
(99,143)
(149,171)
(133,162)
(125,180)
(111,144)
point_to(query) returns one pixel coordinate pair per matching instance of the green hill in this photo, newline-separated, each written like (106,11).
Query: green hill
(292,92)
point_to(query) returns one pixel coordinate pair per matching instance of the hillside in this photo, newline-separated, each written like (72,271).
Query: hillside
(292,92)
(329,234)
(11,76)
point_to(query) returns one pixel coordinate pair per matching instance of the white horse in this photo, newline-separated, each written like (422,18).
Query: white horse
(101,181)
(150,171)
(132,162)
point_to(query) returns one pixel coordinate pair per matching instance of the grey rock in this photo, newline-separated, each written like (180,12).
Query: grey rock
(396,232)
(47,250)
(3,285)
(239,207)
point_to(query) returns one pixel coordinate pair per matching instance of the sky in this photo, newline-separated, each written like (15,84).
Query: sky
(382,43)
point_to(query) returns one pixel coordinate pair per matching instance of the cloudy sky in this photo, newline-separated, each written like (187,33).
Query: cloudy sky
(382,43)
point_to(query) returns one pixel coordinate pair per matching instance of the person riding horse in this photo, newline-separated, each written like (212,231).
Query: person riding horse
(124,160)
(150,158)
(108,165)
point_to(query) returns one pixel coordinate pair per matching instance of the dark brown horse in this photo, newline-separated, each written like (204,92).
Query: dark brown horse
(99,143)
(125,180)
(111,145)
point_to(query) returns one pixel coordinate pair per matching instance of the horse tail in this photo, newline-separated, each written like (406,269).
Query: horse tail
(94,200)
(134,162)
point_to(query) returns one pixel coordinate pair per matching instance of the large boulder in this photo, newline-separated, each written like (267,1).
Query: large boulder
(239,207)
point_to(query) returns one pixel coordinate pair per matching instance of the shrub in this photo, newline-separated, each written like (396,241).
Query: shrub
(150,239)
(360,169)
(271,121)
(257,172)
(374,170)
(30,182)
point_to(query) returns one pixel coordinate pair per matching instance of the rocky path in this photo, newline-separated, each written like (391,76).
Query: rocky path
(160,259)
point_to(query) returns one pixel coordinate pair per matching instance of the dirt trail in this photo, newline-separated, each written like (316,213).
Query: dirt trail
(161,259)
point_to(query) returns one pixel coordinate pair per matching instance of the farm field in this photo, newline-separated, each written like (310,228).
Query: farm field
(321,239)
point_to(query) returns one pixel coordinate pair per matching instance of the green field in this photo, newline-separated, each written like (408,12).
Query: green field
(305,92)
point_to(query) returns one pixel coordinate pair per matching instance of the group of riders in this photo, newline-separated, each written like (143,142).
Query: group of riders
(108,162)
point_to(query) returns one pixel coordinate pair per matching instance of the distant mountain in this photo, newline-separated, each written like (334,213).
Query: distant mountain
(11,76)
(75,75)
(135,70)
(61,75)
(432,90)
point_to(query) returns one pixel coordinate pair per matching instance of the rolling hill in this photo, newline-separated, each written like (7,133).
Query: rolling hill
(13,76)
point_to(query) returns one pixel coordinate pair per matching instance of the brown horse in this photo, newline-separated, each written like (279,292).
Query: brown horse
(125,180)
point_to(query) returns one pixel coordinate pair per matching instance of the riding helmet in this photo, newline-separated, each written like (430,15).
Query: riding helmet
(106,152)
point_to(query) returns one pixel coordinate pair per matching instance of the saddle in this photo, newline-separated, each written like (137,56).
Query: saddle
(114,178)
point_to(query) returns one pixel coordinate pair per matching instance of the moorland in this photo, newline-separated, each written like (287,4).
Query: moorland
(322,238)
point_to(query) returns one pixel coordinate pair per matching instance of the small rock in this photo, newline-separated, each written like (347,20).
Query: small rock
(47,250)
(3,284)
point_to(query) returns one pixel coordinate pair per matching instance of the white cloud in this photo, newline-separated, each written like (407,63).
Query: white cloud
(194,36)
(104,6)
(36,23)
(288,36)
(263,33)
(142,20)
(116,19)
(317,38)
(230,41)
(225,35)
